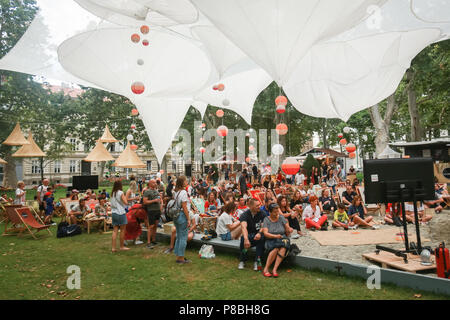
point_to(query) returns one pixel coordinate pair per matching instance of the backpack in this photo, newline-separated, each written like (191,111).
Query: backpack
(294,250)
(172,209)
(67,230)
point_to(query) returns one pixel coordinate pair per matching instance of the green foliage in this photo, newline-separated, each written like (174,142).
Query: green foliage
(309,163)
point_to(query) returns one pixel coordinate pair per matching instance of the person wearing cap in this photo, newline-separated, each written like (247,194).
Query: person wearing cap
(48,201)
(276,231)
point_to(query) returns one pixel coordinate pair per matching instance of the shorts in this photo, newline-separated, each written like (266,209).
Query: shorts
(153,216)
(41,207)
(226,236)
(119,219)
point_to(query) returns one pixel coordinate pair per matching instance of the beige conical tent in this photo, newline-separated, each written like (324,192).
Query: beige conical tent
(107,137)
(99,154)
(16,138)
(30,150)
(3,161)
(129,159)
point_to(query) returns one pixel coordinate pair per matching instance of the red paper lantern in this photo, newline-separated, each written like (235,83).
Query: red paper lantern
(221,87)
(145,42)
(220,113)
(340,135)
(133,127)
(134,147)
(137,87)
(145,29)
(135,38)
(247,159)
(281,109)
(222,131)
(216,87)
(350,148)
(352,155)
(203,125)
(343,142)
(282,129)
(134,112)
(281,101)
(202,150)
(290,166)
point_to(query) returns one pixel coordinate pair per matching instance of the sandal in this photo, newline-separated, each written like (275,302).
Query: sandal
(267,274)
(275,275)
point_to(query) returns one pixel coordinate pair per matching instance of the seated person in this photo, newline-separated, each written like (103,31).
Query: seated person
(191,232)
(275,229)
(357,212)
(78,212)
(226,223)
(211,205)
(348,195)
(241,207)
(393,214)
(90,195)
(101,209)
(312,215)
(341,219)
(409,210)
(74,194)
(251,224)
(438,203)
(4,199)
(311,191)
(326,202)
(296,200)
(290,215)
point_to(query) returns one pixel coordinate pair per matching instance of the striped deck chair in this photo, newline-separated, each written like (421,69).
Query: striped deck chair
(22,220)
(199,203)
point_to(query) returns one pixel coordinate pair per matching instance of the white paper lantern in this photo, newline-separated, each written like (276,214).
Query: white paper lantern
(346,130)
(130,137)
(226,102)
(251,140)
(277,149)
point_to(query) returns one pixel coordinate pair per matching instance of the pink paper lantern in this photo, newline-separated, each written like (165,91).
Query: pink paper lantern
(282,129)
(290,166)
(281,109)
(350,148)
(202,150)
(135,38)
(145,42)
(145,29)
(281,101)
(220,113)
(222,131)
(221,87)
(352,155)
(133,126)
(134,147)
(138,87)
(343,142)
(134,112)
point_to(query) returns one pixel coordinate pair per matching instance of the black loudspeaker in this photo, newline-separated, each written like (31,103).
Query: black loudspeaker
(188,170)
(85,182)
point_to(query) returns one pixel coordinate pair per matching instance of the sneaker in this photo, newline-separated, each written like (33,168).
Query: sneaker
(255,266)
(53,223)
(353,227)
(154,243)
(295,236)
(375,227)
(241,265)
(168,251)
(150,246)
(138,242)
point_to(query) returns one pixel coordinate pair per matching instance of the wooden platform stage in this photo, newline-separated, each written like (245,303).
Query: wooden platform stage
(390,260)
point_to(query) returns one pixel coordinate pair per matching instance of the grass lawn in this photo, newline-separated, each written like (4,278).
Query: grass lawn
(60,192)
(36,269)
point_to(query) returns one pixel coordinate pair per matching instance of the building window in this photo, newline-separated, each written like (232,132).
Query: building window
(73,166)
(35,167)
(112,147)
(73,142)
(57,166)
(149,166)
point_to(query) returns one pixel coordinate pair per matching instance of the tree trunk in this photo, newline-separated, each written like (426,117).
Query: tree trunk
(382,125)
(102,171)
(325,133)
(9,176)
(416,129)
(41,165)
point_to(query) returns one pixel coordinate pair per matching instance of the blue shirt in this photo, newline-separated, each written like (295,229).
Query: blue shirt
(264,210)
(360,210)
(50,207)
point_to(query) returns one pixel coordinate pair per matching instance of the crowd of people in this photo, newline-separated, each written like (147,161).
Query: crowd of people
(260,210)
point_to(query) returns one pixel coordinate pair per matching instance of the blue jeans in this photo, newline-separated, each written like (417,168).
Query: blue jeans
(226,236)
(182,235)
(259,244)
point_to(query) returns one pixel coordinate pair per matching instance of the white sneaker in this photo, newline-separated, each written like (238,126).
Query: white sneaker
(375,227)
(255,266)
(138,242)
(295,236)
(241,265)
(353,227)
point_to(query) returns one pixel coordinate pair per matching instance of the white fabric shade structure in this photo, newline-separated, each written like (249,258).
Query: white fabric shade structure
(331,58)
(388,153)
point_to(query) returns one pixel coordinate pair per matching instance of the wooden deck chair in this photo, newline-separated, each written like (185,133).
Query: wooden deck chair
(30,222)
(3,215)
(340,191)
(32,205)
(11,218)
(371,208)
(261,198)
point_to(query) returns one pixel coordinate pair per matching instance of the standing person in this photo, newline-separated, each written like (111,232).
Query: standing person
(299,178)
(251,224)
(132,194)
(20,194)
(182,222)
(255,173)
(119,218)
(49,206)
(243,182)
(276,230)
(153,204)
(40,193)
(331,180)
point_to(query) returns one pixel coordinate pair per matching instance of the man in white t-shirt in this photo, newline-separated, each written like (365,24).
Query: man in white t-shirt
(299,179)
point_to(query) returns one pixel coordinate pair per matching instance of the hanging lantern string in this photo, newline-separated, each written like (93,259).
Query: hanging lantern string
(59,122)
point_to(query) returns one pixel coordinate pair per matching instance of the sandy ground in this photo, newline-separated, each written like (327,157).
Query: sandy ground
(438,230)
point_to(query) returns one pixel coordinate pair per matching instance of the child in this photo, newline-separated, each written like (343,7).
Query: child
(49,206)
(341,219)
(225,223)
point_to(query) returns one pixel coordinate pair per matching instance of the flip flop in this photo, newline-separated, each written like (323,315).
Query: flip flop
(275,275)
(267,274)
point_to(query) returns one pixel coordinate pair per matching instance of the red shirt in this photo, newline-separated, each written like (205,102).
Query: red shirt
(207,205)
